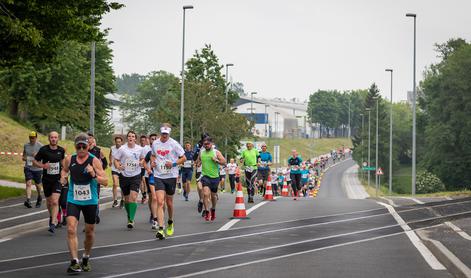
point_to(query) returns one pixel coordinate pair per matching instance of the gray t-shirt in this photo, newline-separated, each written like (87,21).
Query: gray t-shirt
(29,152)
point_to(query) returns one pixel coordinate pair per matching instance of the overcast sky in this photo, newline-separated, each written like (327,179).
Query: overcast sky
(290,48)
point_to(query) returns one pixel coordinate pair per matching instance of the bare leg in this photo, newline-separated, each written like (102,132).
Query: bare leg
(53,207)
(28,189)
(169,202)
(153,202)
(214,199)
(206,197)
(72,240)
(89,238)
(160,207)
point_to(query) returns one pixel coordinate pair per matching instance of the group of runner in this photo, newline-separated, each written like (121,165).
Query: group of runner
(154,166)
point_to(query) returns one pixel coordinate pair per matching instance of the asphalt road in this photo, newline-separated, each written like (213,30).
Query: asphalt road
(329,236)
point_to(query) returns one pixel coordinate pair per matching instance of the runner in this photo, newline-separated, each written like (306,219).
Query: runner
(231,169)
(166,155)
(50,158)
(199,185)
(264,162)
(274,183)
(150,184)
(249,160)
(115,173)
(98,153)
(86,175)
(187,170)
(211,160)
(222,179)
(145,145)
(294,162)
(127,159)
(32,173)
(304,179)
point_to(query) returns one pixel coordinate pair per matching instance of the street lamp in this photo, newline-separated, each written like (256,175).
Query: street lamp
(227,85)
(414,93)
(377,137)
(369,143)
(182,101)
(251,104)
(349,126)
(266,121)
(390,133)
(276,123)
(362,124)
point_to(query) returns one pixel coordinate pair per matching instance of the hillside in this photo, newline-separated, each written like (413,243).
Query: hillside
(12,139)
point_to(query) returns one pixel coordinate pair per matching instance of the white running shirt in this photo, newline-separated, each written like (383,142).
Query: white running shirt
(168,151)
(231,168)
(129,158)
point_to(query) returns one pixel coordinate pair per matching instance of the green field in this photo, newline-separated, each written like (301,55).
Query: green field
(10,192)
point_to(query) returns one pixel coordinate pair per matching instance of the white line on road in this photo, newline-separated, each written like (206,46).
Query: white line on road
(458,230)
(352,185)
(4,239)
(391,202)
(10,206)
(448,198)
(417,201)
(426,254)
(261,250)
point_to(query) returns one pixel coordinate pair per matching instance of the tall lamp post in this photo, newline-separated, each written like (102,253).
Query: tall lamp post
(227,92)
(276,123)
(377,137)
(390,133)
(266,121)
(182,101)
(362,125)
(369,142)
(414,94)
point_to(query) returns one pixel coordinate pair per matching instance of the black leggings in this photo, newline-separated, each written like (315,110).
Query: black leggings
(295,183)
(232,181)
(249,181)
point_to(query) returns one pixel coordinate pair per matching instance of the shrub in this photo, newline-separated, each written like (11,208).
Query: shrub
(428,183)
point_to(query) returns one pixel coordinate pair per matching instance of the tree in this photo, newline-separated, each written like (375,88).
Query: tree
(128,83)
(323,108)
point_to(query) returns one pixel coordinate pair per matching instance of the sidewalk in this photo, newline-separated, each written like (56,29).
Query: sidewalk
(352,184)
(12,184)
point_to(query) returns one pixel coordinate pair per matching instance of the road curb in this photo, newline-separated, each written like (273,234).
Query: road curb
(32,226)
(453,264)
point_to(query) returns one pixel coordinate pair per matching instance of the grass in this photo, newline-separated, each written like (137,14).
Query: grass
(12,138)
(10,192)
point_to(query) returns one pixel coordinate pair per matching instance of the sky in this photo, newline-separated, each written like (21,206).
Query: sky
(290,48)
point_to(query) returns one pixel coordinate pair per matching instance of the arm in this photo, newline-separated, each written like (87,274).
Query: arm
(37,162)
(219,158)
(24,154)
(110,156)
(98,172)
(65,170)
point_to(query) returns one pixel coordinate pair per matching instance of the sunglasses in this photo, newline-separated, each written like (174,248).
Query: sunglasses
(81,147)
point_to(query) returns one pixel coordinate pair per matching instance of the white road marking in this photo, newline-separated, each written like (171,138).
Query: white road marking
(448,198)
(10,206)
(426,254)
(417,201)
(4,239)
(263,249)
(458,230)
(391,202)
(352,185)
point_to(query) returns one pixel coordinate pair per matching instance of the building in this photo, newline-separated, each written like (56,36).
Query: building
(117,116)
(277,118)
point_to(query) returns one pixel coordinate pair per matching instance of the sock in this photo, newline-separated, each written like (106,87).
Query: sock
(85,256)
(132,210)
(170,222)
(126,207)
(76,260)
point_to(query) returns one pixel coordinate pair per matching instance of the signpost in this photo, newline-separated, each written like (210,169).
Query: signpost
(379,173)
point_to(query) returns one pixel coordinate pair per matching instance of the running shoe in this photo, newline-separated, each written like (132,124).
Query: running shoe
(28,204)
(186,198)
(115,204)
(85,265)
(130,224)
(203,214)
(213,214)
(169,230)
(154,225)
(121,204)
(52,228)
(144,199)
(151,219)
(207,217)
(59,225)
(200,207)
(179,191)
(250,200)
(64,221)
(160,234)
(74,267)
(38,202)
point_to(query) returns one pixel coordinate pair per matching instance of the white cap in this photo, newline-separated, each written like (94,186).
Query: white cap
(165,129)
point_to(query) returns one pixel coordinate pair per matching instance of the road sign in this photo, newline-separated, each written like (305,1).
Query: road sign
(365,164)
(379,172)
(369,168)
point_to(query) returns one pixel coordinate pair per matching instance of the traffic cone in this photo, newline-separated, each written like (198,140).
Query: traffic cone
(239,209)
(284,191)
(301,193)
(268,191)
(311,193)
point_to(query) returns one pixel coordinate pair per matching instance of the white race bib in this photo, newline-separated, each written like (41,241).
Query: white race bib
(82,192)
(29,161)
(53,169)
(131,165)
(304,176)
(248,169)
(161,169)
(188,164)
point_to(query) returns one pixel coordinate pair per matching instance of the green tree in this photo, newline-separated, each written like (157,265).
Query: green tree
(323,108)
(128,83)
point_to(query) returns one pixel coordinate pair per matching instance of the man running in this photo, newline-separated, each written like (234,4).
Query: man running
(231,170)
(32,173)
(294,162)
(264,163)
(249,160)
(118,141)
(146,148)
(222,178)
(167,154)
(86,175)
(50,158)
(98,153)
(127,159)
(211,160)
(150,184)
(187,170)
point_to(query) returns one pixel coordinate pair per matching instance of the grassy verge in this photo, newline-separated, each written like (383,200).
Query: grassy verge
(10,192)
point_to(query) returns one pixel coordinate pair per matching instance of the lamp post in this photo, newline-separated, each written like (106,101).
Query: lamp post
(276,123)
(362,124)
(251,104)
(414,94)
(369,142)
(182,101)
(390,133)
(266,121)
(227,85)
(377,137)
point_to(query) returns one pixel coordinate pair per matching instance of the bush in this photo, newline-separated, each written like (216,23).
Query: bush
(428,183)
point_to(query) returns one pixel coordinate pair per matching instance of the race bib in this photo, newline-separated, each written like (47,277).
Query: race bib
(53,169)
(29,161)
(188,164)
(304,176)
(263,163)
(161,169)
(248,169)
(82,192)
(294,167)
(131,165)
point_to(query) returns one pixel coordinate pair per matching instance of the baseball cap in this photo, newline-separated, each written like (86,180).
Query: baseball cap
(82,138)
(165,130)
(33,134)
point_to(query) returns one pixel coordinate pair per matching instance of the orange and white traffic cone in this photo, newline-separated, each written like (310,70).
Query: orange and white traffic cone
(239,209)
(284,191)
(268,191)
